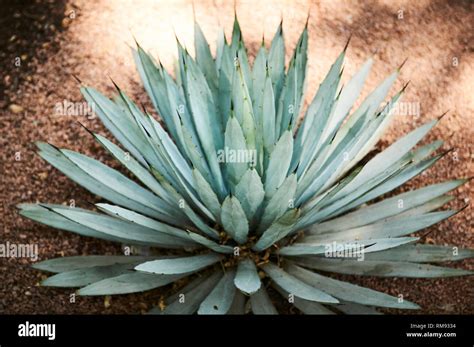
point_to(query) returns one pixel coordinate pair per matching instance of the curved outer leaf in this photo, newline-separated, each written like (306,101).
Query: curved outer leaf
(233,219)
(261,303)
(129,283)
(390,155)
(384,228)
(84,277)
(184,265)
(347,291)
(385,182)
(380,268)
(78,220)
(346,99)
(387,207)
(66,264)
(121,229)
(421,253)
(139,219)
(370,245)
(296,287)
(131,164)
(189,303)
(382,186)
(221,297)
(45,214)
(118,123)
(429,206)
(305,306)
(106,182)
(246,278)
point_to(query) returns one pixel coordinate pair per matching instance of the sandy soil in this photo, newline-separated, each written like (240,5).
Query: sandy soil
(91,40)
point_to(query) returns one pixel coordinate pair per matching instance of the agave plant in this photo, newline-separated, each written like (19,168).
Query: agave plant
(236,195)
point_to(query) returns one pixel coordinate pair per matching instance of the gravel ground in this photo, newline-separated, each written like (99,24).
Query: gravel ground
(91,40)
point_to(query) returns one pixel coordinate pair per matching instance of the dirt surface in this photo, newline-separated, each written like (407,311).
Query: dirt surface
(91,40)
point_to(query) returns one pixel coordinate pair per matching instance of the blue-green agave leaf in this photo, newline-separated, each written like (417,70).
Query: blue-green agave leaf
(280,202)
(276,62)
(185,265)
(305,306)
(347,291)
(380,268)
(279,163)
(247,278)
(250,193)
(370,245)
(421,253)
(188,300)
(296,287)
(66,264)
(128,283)
(221,297)
(84,277)
(261,303)
(121,229)
(234,220)
(235,152)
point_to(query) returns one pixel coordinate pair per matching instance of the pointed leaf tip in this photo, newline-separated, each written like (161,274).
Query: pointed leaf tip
(76,78)
(347,43)
(442,115)
(402,64)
